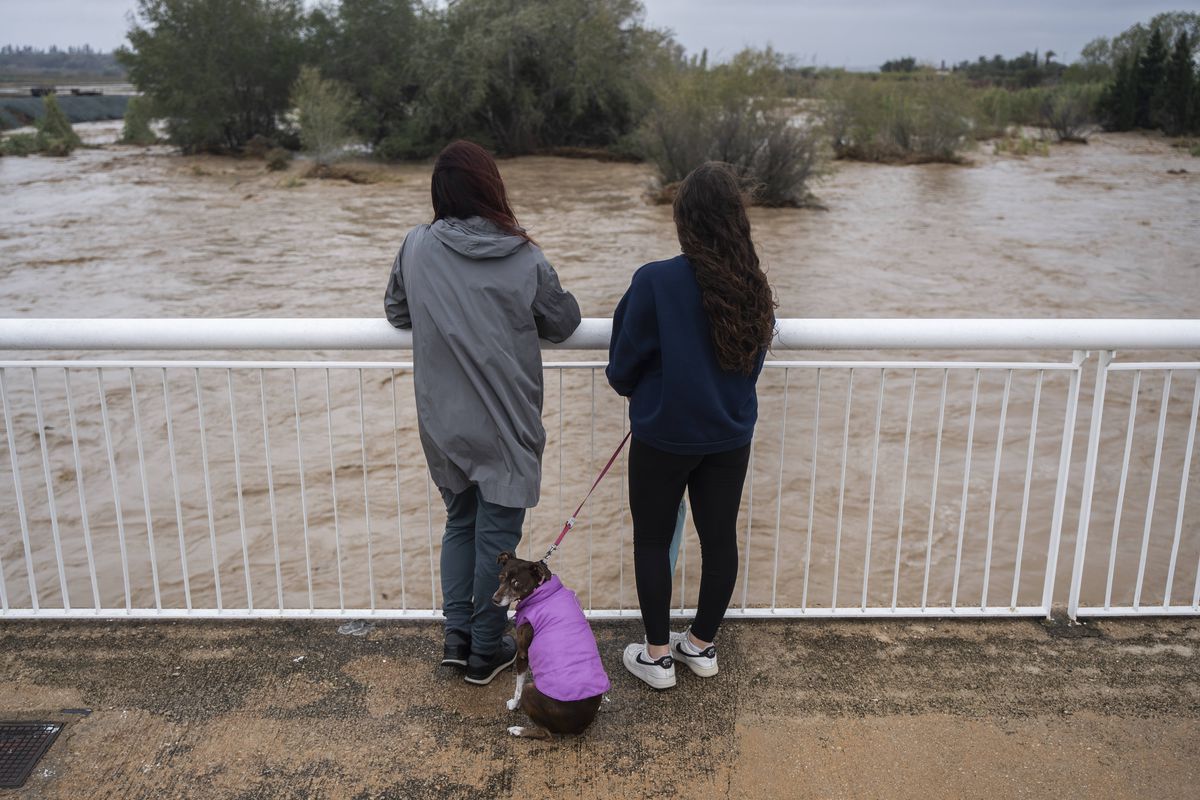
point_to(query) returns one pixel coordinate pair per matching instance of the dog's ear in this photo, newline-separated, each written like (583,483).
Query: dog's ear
(543,572)
(503,557)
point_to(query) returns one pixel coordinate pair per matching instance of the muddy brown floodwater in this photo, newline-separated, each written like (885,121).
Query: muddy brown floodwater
(1110,229)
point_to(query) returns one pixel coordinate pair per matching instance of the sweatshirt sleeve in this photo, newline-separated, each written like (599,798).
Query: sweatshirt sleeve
(395,299)
(555,310)
(634,337)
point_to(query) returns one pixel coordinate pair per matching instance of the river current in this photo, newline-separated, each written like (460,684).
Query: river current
(1110,229)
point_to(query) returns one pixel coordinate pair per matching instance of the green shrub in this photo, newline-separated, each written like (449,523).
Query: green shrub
(523,76)
(19,144)
(400,147)
(918,120)
(737,113)
(993,113)
(788,161)
(996,110)
(1027,105)
(217,71)
(324,109)
(55,135)
(1070,111)
(137,123)
(1021,145)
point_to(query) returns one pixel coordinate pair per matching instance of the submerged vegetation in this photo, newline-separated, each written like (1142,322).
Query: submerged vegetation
(324,109)
(737,113)
(54,136)
(218,72)
(1069,111)
(914,121)
(136,129)
(403,77)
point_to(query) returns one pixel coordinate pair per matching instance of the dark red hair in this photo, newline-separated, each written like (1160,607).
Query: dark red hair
(466,183)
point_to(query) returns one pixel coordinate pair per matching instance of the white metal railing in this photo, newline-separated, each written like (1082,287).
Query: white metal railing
(176,487)
(593,333)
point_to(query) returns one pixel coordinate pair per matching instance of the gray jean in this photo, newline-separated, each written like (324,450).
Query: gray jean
(476,533)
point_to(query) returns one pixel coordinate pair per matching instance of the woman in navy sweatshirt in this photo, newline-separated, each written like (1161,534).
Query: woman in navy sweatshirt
(688,343)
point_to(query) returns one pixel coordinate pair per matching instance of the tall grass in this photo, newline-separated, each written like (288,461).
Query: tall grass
(924,119)
(1068,110)
(996,110)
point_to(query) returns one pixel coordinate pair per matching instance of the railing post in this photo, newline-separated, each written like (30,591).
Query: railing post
(1060,490)
(1089,481)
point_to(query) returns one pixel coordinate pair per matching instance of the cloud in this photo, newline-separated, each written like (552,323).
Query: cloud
(100,23)
(857,33)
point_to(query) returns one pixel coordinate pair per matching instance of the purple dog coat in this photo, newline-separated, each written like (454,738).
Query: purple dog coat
(563,656)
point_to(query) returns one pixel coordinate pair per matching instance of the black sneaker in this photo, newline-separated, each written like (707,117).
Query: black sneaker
(456,649)
(481,669)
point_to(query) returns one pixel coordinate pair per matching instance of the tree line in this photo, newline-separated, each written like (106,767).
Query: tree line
(1146,75)
(31,61)
(525,76)
(516,76)
(1155,89)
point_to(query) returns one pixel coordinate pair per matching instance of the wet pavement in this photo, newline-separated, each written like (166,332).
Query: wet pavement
(819,709)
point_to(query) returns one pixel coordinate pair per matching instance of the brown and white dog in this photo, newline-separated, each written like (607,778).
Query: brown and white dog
(555,642)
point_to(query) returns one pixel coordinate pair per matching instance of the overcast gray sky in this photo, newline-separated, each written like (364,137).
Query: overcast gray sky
(851,33)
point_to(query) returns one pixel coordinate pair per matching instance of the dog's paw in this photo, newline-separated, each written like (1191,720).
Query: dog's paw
(512,704)
(516,730)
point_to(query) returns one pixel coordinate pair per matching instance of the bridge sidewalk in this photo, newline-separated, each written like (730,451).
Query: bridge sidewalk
(801,709)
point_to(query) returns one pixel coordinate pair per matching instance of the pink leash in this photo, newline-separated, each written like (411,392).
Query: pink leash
(570,523)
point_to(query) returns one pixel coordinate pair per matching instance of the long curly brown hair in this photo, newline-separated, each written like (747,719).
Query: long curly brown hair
(714,234)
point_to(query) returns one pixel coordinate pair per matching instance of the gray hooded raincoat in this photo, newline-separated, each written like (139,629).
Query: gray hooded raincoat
(477,300)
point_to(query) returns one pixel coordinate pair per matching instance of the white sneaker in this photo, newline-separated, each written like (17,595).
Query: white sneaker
(702,662)
(657,674)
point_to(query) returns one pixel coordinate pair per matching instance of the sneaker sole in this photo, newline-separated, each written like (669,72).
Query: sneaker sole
(494,673)
(703,672)
(683,658)
(454,662)
(660,684)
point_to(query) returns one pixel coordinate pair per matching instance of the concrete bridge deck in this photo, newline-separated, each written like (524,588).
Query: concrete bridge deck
(801,709)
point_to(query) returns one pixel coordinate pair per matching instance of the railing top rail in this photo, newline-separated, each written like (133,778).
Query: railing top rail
(593,334)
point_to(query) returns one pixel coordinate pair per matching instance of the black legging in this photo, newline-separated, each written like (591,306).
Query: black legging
(656,483)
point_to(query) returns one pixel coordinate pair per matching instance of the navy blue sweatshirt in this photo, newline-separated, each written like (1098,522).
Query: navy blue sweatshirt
(661,356)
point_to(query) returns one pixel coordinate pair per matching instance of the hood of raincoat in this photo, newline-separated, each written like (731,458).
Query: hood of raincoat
(475,237)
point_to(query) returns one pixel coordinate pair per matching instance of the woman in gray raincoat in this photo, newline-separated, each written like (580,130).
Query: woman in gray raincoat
(478,293)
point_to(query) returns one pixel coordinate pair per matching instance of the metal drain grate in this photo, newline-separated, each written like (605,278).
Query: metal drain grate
(21,745)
